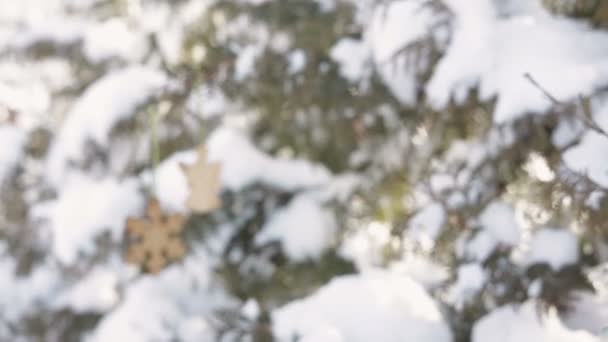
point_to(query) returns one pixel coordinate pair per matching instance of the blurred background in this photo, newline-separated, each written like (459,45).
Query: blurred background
(378,170)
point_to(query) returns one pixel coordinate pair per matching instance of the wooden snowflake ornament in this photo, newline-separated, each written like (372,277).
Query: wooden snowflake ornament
(157,240)
(204,182)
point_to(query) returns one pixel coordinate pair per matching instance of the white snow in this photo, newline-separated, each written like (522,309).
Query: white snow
(12,140)
(425,225)
(353,57)
(24,92)
(208,102)
(422,270)
(155,308)
(393,26)
(588,312)
(304,229)
(594,199)
(297,61)
(373,306)
(567,132)
(62,31)
(196,329)
(324,335)
(489,45)
(498,228)
(110,99)
(170,185)
(494,54)
(538,167)
(556,247)
(243,164)
(535,288)
(85,208)
(517,324)
(96,292)
(365,246)
(19,294)
(245,62)
(470,280)
(251,309)
(583,158)
(113,38)
(481,246)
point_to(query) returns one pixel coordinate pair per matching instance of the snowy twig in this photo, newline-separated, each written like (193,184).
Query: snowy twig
(585,105)
(543,90)
(588,117)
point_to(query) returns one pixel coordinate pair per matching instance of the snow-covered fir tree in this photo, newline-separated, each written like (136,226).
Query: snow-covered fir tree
(389,170)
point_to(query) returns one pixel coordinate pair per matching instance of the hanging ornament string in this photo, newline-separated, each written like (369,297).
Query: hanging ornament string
(153,120)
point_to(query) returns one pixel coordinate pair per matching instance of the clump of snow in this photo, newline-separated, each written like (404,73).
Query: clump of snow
(304,229)
(425,226)
(421,269)
(498,218)
(516,324)
(12,140)
(393,26)
(100,41)
(60,31)
(196,329)
(23,92)
(96,292)
(113,38)
(20,294)
(566,132)
(366,246)
(498,228)
(538,167)
(297,61)
(324,335)
(86,208)
(583,158)
(594,199)
(587,312)
(169,182)
(472,154)
(243,164)
(251,309)
(245,62)
(470,280)
(28,9)
(208,102)
(494,53)
(174,304)
(110,99)
(556,247)
(481,246)
(353,57)
(373,306)
(457,72)
(535,288)
(342,186)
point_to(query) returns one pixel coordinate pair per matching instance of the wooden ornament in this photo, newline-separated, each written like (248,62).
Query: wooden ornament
(204,182)
(157,241)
